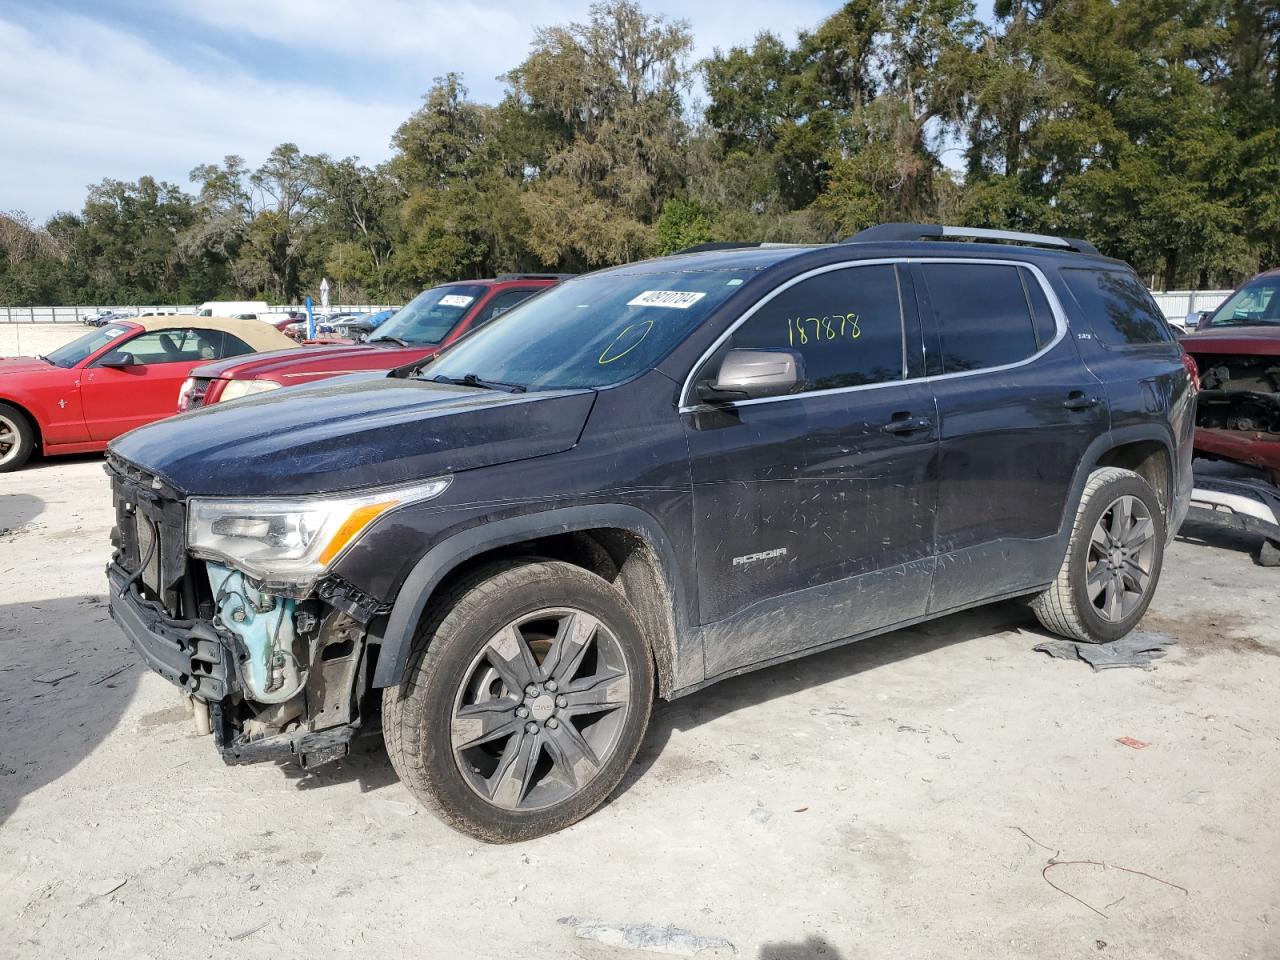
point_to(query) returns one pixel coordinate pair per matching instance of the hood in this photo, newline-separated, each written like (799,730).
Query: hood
(26,365)
(1243,339)
(313,362)
(349,434)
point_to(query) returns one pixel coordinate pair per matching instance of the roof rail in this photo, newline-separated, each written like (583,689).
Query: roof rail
(934,231)
(534,276)
(734,245)
(718,245)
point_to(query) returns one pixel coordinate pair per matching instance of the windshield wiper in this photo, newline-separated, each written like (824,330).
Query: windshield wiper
(474,380)
(389,339)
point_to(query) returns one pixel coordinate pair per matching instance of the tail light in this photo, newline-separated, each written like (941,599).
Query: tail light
(1189,362)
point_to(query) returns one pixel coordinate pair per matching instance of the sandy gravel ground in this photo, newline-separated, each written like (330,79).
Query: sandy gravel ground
(30,339)
(898,798)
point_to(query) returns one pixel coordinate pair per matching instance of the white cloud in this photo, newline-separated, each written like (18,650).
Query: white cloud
(485,31)
(480,40)
(82,101)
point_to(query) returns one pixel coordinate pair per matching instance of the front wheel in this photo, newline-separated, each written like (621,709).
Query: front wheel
(1113,560)
(17,438)
(525,702)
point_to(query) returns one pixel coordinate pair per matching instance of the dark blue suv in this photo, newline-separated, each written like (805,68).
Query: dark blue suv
(645,480)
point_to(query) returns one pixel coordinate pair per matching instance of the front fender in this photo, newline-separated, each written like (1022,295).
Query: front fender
(444,557)
(31,407)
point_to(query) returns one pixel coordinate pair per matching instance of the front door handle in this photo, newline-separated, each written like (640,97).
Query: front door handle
(1076,400)
(907,425)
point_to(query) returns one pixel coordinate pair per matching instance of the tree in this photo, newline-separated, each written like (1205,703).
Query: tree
(129,234)
(357,223)
(32,261)
(611,90)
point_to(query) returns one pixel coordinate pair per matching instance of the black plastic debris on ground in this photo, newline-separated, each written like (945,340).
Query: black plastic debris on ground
(1137,649)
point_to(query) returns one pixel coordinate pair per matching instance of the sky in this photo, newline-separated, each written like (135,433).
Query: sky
(123,88)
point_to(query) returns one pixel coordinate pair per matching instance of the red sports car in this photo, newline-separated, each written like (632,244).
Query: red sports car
(122,375)
(429,323)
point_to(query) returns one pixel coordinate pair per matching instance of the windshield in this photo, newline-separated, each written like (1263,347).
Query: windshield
(594,331)
(1254,303)
(72,353)
(429,316)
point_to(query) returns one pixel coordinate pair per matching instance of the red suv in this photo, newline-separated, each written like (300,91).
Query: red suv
(430,322)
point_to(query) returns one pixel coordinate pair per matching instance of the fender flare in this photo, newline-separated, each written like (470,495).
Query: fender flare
(1103,444)
(438,562)
(29,410)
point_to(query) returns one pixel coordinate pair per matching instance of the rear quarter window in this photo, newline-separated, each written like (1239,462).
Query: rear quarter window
(1120,310)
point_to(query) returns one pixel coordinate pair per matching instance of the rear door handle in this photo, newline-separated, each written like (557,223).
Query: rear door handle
(1076,400)
(907,425)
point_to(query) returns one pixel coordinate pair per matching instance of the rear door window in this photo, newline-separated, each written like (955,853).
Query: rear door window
(846,324)
(1119,308)
(984,314)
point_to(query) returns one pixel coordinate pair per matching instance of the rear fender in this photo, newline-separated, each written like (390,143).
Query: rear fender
(1180,491)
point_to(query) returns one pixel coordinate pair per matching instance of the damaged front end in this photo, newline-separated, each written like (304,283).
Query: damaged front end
(302,674)
(1238,410)
(231,601)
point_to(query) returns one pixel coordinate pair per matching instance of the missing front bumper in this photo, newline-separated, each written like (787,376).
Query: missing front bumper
(309,749)
(188,653)
(316,726)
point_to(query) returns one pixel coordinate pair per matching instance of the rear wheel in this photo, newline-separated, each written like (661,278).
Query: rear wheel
(525,703)
(17,438)
(1113,560)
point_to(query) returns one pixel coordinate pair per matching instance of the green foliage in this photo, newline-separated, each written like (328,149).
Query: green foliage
(1151,127)
(611,90)
(682,223)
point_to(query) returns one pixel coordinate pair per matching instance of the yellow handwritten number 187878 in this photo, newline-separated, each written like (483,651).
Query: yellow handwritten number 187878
(837,327)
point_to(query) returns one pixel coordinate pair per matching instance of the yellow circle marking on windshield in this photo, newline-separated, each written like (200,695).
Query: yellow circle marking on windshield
(605,356)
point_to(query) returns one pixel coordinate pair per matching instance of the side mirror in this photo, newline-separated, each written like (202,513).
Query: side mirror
(751,374)
(118,359)
(1202,319)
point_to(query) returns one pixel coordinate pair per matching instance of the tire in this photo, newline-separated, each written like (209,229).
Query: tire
(1070,606)
(1269,553)
(17,438)
(517,717)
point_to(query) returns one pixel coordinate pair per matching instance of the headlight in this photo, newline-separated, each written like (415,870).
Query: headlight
(184,394)
(247,388)
(292,541)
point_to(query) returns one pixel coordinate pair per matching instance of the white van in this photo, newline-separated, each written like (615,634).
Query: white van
(242,309)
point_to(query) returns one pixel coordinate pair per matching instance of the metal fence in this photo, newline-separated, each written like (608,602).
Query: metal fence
(1176,304)
(78,313)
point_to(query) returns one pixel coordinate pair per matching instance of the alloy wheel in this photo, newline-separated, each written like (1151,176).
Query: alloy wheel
(1122,553)
(10,442)
(540,709)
